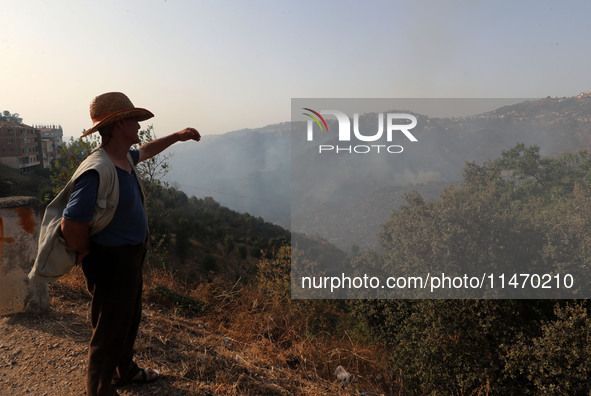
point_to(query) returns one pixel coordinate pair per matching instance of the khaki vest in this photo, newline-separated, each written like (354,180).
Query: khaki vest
(54,258)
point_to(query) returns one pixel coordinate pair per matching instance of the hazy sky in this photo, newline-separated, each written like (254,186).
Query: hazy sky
(225,65)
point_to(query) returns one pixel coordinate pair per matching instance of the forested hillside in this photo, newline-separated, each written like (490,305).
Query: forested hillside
(250,170)
(521,213)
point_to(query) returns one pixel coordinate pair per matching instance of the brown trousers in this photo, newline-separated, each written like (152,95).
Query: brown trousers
(114,279)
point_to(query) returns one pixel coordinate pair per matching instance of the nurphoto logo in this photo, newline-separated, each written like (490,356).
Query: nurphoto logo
(393,128)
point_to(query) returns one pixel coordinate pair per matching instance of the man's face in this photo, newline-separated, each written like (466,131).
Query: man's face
(130,128)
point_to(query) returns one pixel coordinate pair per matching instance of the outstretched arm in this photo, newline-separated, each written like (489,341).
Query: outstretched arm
(155,147)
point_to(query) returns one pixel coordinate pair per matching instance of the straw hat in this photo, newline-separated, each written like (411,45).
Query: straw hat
(111,107)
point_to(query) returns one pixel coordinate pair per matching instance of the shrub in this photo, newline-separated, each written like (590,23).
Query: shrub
(558,361)
(243,251)
(209,263)
(180,300)
(274,274)
(229,243)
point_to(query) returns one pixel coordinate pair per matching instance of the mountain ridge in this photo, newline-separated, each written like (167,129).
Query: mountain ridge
(249,170)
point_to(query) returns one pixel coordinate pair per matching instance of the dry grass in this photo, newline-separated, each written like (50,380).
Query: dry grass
(245,342)
(269,340)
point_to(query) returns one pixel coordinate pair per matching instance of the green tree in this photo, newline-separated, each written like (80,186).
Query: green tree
(522,211)
(243,251)
(7,116)
(183,242)
(229,242)
(69,158)
(556,360)
(153,170)
(532,176)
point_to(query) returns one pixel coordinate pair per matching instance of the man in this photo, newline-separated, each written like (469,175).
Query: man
(105,223)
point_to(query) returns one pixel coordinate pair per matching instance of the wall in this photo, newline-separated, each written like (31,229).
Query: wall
(20,218)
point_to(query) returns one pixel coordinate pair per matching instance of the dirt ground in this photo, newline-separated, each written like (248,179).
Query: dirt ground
(45,354)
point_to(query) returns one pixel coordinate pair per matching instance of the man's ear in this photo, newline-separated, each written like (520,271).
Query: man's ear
(117,125)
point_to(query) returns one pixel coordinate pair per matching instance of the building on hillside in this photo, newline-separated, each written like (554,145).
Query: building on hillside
(51,141)
(20,146)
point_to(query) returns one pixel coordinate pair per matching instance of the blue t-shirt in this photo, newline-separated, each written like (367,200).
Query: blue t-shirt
(129,225)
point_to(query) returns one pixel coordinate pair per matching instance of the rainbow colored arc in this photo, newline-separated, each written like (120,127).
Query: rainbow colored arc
(316,119)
